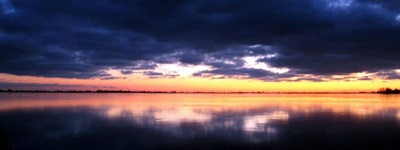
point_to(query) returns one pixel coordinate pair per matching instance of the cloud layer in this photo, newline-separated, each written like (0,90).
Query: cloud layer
(85,39)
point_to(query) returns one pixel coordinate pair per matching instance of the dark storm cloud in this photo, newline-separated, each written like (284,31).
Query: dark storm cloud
(254,73)
(84,39)
(154,74)
(364,39)
(110,78)
(232,58)
(392,5)
(7,8)
(388,74)
(191,57)
(126,71)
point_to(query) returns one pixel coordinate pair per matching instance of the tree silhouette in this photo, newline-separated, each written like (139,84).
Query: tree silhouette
(388,91)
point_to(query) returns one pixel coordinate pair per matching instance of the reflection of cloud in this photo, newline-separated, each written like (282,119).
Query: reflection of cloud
(182,114)
(170,115)
(257,123)
(362,112)
(119,112)
(398,115)
(113,112)
(202,106)
(246,117)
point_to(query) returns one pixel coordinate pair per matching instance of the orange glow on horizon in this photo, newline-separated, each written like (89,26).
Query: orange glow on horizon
(193,84)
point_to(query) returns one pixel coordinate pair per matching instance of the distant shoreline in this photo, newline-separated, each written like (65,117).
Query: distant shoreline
(172,92)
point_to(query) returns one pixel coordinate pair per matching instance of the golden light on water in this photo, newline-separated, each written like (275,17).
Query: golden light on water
(198,107)
(250,114)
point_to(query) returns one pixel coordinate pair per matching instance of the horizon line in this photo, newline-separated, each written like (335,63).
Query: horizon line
(177,92)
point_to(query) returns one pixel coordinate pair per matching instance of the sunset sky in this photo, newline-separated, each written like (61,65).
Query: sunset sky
(200,45)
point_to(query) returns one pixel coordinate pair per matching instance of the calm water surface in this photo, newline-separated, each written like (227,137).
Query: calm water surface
(199,121)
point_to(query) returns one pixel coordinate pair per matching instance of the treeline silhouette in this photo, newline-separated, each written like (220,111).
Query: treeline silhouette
(388,91)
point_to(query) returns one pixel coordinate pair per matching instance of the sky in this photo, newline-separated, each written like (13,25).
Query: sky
(200,45)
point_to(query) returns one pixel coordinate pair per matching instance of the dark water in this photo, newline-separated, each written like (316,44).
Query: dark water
(199,121)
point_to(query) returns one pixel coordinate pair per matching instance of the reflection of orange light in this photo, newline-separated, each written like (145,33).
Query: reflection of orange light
(362,112)
(181,115)
(201,105)
(398,115)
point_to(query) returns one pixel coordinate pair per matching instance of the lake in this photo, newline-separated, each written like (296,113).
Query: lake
(199,121)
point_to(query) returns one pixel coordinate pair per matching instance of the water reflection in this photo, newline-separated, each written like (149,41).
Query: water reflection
(257,123)
(187,119)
